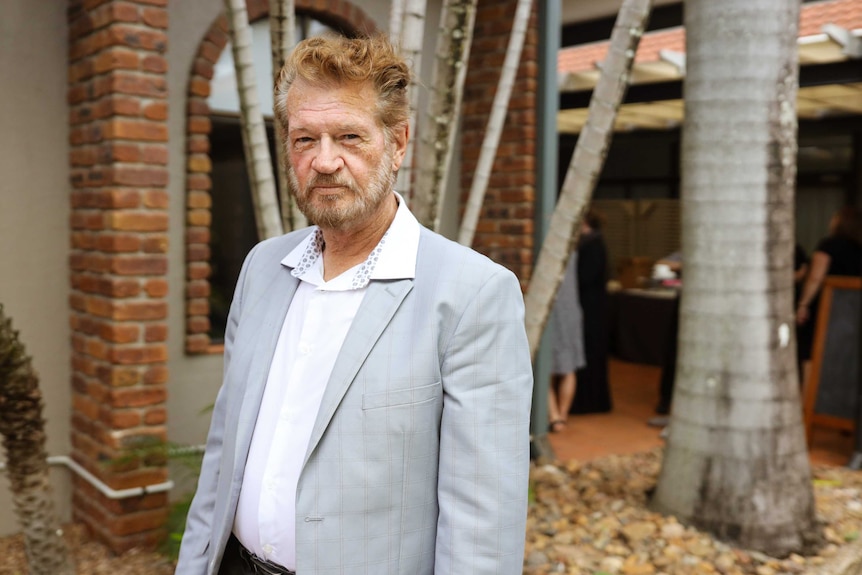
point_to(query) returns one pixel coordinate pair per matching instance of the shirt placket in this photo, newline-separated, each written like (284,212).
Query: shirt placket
(298,400)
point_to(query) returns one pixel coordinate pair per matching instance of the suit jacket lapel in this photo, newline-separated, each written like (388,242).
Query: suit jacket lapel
(379,305)
(269,316)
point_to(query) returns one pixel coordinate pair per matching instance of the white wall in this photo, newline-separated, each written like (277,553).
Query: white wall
(34,211)
(194,380)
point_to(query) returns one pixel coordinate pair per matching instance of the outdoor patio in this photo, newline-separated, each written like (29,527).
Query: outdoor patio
(624,430)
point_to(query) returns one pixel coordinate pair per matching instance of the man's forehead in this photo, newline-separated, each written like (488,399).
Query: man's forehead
(334,103)
(302,85)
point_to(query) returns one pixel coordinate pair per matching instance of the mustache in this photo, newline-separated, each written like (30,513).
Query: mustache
(329,180)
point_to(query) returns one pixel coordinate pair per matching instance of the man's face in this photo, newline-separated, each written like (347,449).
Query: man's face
(340,165)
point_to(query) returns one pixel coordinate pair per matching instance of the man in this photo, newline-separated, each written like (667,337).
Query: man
(375,407)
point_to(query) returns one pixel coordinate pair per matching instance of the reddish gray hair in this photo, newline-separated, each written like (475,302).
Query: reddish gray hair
(336,60)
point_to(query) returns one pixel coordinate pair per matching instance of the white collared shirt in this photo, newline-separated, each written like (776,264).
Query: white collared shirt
(311,337)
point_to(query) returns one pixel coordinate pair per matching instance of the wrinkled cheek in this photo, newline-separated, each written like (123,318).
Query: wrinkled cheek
(296,188)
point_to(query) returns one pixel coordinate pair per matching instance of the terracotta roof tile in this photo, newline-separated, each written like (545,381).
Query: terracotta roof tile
(843,13)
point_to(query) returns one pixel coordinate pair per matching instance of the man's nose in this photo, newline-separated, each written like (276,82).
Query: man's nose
(328,159)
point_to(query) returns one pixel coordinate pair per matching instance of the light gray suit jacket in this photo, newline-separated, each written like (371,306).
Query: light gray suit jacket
(418,460)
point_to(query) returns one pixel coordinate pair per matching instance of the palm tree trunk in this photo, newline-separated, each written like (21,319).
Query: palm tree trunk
(736,462)
(396,20)
(412,36)
(282,27)
(254,138)
(438,128)
(495,123)
(584,168)
(23,431)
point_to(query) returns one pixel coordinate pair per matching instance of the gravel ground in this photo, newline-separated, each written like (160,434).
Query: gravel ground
(591,519)
(586,519)
(91,558)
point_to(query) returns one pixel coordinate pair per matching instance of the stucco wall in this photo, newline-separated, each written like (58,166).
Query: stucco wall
(34,210)
(194,380)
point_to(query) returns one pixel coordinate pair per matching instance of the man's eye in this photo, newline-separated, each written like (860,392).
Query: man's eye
(351,136)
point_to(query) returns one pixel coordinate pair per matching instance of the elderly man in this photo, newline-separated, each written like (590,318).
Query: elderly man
(374,412)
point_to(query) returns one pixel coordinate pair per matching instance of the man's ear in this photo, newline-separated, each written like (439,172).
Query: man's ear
(400,135)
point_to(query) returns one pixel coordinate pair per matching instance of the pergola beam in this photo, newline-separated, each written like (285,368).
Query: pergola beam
(851,44)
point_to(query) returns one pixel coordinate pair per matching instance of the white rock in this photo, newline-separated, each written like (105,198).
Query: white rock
(611,564)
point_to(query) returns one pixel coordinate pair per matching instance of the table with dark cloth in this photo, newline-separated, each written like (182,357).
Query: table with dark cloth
(641,321)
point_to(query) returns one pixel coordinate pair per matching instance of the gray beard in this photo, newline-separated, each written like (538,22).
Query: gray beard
(365,201)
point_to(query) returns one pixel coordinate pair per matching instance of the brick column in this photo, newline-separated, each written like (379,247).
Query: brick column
(118,262)
(505,230)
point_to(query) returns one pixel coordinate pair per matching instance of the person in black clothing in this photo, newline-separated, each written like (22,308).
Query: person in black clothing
(593,392)
(800,271)
(804,331)
(668,369)
(668,365)
(839,254)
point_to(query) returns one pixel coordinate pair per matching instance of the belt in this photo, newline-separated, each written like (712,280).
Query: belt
(261,566)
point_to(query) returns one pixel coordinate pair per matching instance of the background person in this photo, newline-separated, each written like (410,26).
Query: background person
(374,414)
(593,392)
(838,254)
(568,351)
(800,272)
(674,263)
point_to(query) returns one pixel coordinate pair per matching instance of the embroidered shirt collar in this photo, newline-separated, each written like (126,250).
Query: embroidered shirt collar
(394,257)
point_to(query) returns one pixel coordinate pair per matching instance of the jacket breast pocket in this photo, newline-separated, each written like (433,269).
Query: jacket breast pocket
(401,397)
(398,426)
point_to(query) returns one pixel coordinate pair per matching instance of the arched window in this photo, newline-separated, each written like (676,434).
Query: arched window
(220,223)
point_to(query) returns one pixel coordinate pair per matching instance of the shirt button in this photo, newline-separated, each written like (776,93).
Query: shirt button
(267,549)
(304,348)
(270,484)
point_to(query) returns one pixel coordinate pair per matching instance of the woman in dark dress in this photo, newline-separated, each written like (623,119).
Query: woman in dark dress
(593,391)
(839,254)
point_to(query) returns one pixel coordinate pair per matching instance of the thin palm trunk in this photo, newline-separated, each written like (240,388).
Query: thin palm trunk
(396,20)
(736,462)
(438,128)
(495,123)
(585,167)
(282,37)
(23,429)
(254,138)
(412,36)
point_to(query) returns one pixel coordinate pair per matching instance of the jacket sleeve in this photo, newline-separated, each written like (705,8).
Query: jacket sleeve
(197,545)
(484,435)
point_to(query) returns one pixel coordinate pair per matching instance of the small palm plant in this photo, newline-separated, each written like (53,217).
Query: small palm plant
(186,467)
(23,431)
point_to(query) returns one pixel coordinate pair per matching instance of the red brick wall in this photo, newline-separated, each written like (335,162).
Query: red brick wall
(199,166)
(118,113)
(505,229)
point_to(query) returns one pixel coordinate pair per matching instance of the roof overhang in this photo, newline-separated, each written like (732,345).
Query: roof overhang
(830,85)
